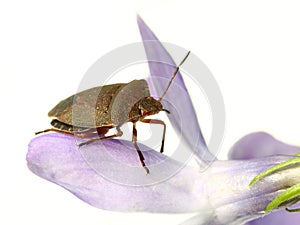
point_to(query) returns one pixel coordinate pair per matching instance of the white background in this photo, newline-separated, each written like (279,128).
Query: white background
(251,47)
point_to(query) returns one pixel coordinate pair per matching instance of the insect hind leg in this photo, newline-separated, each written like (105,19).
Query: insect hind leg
(118,134)
(55,130)
(68,129)
(58,127)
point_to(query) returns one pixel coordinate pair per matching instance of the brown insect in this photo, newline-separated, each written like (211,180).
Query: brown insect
(93,112)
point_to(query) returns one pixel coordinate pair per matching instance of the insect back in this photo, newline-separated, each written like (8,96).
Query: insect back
(129,103)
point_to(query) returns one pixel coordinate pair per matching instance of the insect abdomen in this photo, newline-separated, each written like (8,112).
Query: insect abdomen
(66,127)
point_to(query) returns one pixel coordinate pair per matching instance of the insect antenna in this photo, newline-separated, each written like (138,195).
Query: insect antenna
(173,76)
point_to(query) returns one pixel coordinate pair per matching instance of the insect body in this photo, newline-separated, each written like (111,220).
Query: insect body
(93,112)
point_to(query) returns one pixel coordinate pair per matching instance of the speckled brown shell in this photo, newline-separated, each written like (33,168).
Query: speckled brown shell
(102,106)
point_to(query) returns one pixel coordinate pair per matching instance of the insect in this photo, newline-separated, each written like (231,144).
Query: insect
(93,112)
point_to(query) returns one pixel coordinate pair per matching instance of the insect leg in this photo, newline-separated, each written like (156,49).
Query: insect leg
(68,129)
(134,141)
(118,134)
(155,121)
(79,134)
(54,129)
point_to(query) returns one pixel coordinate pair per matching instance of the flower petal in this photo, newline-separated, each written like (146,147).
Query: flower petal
(278,218)
(234,201)
(221,194)
(177,99)
(56,157)
(260,144)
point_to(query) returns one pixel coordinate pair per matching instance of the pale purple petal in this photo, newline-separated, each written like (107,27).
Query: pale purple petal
(262,144)
(278,218)
(56,157)
(220,195)
(234,201)
(177,99)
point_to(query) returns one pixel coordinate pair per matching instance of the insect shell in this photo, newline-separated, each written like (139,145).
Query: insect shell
(93,112)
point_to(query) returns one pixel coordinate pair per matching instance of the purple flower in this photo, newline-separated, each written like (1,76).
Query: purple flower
(108,174)
(257,145)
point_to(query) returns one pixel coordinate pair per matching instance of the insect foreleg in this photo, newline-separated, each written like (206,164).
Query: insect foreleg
(155,121)
(134,141)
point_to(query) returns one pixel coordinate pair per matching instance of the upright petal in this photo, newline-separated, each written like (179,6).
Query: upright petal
(177,99)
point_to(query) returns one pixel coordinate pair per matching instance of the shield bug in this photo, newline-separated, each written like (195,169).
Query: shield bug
(93,112)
